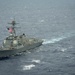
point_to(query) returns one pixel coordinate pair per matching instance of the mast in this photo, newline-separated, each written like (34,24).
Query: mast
(11,29)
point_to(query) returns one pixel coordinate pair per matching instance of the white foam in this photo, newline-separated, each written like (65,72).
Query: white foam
(42,21)
(54,40)
(28,67)
(36,61)
(63,49)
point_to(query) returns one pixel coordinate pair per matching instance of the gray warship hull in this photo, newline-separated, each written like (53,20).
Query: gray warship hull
(13,52)
(14,44)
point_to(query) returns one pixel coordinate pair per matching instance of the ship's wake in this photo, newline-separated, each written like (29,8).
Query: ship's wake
(53,40)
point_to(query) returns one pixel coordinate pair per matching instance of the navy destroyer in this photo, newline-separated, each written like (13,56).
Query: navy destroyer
(14,44)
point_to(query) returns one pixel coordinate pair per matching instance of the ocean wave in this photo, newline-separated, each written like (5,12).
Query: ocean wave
(36,61)
(28,67)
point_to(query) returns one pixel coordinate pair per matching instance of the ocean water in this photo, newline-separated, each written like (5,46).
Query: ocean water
(53,21)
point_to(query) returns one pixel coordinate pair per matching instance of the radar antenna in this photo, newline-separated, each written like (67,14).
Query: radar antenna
(13,23)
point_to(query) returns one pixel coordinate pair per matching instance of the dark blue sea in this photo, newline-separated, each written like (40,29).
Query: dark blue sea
(53,21)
